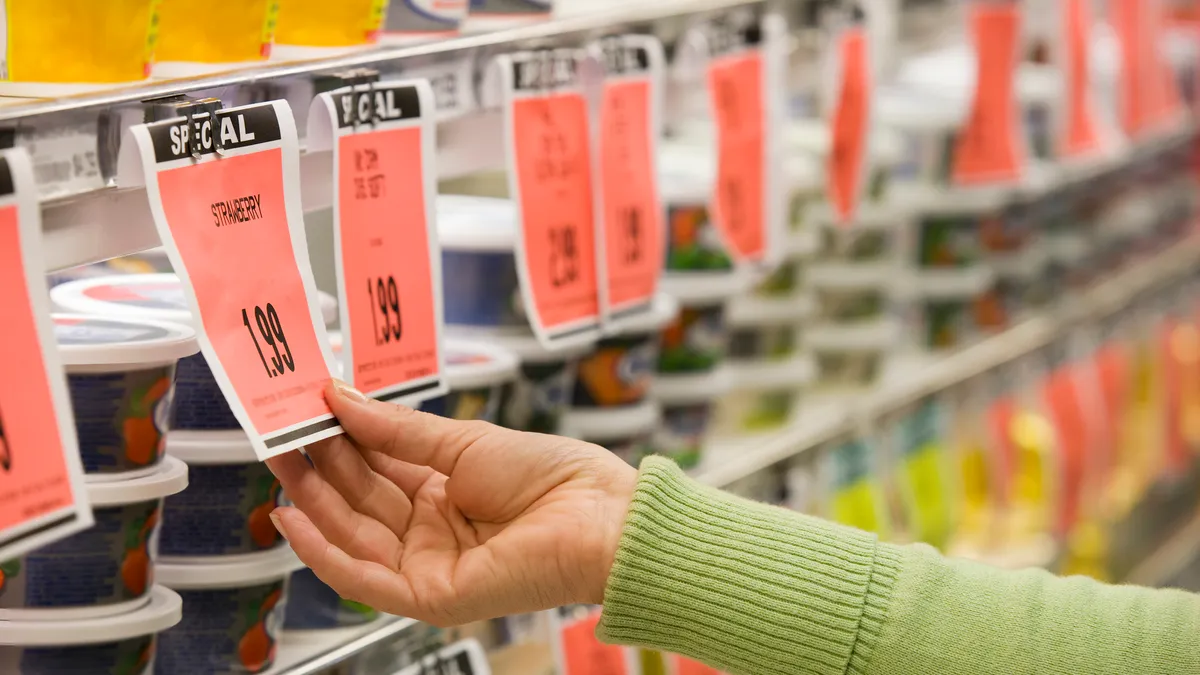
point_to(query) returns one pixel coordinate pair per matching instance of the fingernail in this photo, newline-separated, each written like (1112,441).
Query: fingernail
(349,392)
(278,524)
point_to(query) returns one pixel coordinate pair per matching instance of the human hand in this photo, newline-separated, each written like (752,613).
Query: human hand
(447,521)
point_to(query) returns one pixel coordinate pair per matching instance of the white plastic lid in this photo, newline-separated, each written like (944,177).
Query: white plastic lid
(525,346)
(752,310)
(164,610)
(693,289)
(662,312)
(852,276)
(169,477)
(471,364)
(606,424)
(953,284)
(868,216)
(803,172)
(150,296)
(484,224)
(157,297)
(767,375)
(804,243)
(933,200)
(686,172)
(245,570)
(867,336)
(230,446)
(684,389)
(91,340)
(910,109)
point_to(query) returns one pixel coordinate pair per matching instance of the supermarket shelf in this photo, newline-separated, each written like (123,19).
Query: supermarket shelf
(824,421)
(311,655)
(1164,564)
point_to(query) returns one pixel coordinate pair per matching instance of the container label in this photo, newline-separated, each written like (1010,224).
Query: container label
(224,193)
(42,498)
(385,245)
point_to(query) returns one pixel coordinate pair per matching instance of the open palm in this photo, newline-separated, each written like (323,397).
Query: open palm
(447,521)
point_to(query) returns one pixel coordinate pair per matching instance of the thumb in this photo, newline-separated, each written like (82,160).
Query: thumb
(401,432)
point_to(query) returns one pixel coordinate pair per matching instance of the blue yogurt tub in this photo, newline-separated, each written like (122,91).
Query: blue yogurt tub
(198,403)
(226,509)
(233,611)
(120,373)
(313,606)
(104,570)
(116,645)
(480,287)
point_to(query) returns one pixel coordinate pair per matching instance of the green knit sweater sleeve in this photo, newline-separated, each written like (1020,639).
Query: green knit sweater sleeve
(757,590)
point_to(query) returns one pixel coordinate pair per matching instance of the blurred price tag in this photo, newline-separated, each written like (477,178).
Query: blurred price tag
(452,83)
(737,90)
(631,215)
(550,177)
(42,498)
(579,652)
(1148,94)
(1061,397)
(388,260)
(991,147)
(851,122)
(224,190)
(1081,136)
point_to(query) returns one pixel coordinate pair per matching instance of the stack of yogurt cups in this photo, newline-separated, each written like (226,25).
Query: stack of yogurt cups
(220,551)
(90,602)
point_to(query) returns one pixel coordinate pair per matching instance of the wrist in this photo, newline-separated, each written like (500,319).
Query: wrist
(617,490)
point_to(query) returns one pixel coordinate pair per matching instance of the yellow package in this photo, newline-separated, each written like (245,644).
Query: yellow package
(205,36)
(77,46)
(317,27)
(855,492)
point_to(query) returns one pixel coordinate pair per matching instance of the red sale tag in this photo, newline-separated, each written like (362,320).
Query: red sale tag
(388,260)
(550,177)
(1081,135)
(581,653)
(1166,101)
(1111,363)
(631,215)
(1176,454)
(1060,395)
(991,147)
(736,90)
(1130,20)
(42,498)
(224,192)
(851,123)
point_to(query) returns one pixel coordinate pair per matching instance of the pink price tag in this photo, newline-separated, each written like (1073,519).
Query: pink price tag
(851,123)
(41,478)
(631,211)
(389,265)
(736,89)
(550,173)
(232,226)
(583,654)
(991,148)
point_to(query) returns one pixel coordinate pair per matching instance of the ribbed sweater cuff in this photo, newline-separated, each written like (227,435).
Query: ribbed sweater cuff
(745,587)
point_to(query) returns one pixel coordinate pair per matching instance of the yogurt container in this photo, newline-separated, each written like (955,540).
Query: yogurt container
(687,403)
(765,395)
(476,373)
(59,51)
(627,432)
(621,369)
(480,287)
(226,509)
(120,374)
(695,341)
(410,21)
(536,399)
(851,357)
(766,329)
(313,606)
(875,235)
(314,28)
(105,570)
(197,402)
(197,37)
(115,644)
(686,178)
(233,612)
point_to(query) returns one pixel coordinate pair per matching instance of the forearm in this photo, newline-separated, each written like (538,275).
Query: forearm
(754,589)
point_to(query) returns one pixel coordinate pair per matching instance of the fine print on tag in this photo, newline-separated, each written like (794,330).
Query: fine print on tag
(224,192)
(578,651)
(630,214)
(453,85)
(991,147)
(42,496)
(851,121)
(738,95)
(1081,134)
(550,176)
(385,246)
